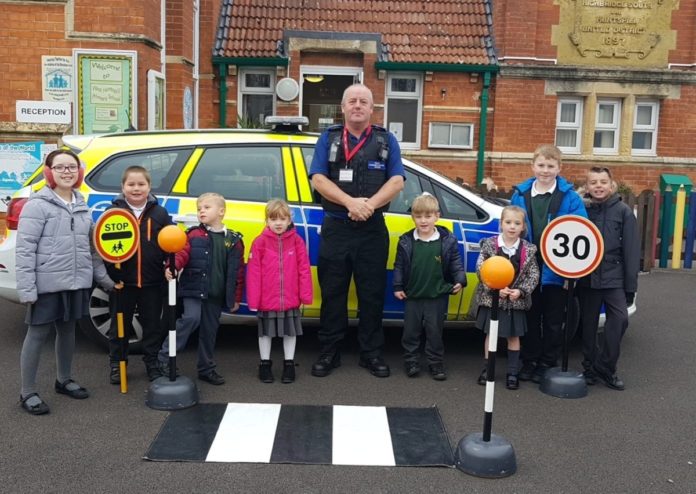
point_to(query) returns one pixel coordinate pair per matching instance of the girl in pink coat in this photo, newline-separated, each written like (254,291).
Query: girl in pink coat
(279,281)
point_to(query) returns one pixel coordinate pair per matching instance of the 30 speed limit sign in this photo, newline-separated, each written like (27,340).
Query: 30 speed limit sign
(572,246)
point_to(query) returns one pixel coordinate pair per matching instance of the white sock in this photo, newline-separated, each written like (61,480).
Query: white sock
(289,347)
(265,347)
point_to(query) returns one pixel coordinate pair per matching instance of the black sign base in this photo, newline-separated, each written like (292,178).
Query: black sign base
(490,459)
(569,384)
(164,394)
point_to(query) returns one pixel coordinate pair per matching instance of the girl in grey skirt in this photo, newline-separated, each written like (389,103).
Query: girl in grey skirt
(278,282)
(56,264)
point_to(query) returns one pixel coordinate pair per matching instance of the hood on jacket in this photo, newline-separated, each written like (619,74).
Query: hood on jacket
(267,232)
(562,184)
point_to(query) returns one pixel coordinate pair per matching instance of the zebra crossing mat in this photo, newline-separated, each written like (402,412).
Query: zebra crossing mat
(304,434)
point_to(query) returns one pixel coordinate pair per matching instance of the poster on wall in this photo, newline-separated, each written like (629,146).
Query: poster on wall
(57,78)
(106,96)
(18,160)
(155,100)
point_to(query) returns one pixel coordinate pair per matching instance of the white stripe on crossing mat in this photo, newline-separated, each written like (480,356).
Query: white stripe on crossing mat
(246,433)
(361,436)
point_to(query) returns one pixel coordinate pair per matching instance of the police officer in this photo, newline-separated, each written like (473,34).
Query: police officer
(357,170)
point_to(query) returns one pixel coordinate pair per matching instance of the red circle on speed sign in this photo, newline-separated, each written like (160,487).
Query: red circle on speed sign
(572,246)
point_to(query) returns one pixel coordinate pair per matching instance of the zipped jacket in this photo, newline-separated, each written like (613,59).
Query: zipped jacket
(279,277)
(196,261)
(564,201)
(452,269)
(525,281)
(621,262)
(146,267)
(54,250)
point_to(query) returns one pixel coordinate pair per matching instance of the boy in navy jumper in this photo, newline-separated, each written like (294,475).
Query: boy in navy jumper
(211,268)
(427,269)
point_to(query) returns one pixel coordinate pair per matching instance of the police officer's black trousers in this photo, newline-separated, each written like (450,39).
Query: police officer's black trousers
(358,250)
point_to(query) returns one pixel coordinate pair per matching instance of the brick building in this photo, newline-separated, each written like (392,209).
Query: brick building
(469,86)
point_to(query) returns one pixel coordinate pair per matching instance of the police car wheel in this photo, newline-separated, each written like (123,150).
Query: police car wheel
(96,325)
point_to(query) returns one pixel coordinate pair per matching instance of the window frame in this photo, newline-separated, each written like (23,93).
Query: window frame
(653,127)
(576,125)
(451,126)
(243,90)
(615,126)
(416,95)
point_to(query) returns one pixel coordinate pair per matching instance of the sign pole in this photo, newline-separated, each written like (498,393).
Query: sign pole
(572,247)
(116,239)
(486,454)
(121,335)
(172,392)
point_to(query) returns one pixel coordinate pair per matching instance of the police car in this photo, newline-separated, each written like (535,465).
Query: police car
(249,167)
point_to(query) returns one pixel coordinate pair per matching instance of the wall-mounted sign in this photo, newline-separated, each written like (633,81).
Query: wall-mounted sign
(18,160)
(57,78)
(634,33)
(46,112)
(188,108)
(156,98)
(107,91)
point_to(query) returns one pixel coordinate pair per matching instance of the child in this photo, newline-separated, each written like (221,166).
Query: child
(515,299)
(427,269)
(142,276)
(56,264)
(279,280)
(213,274)
(613,283)
(545,197)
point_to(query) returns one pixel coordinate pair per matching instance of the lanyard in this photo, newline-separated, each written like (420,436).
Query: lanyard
(350,153)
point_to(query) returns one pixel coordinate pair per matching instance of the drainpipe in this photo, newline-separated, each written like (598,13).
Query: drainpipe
(223,95)
(483,127)
(196,59)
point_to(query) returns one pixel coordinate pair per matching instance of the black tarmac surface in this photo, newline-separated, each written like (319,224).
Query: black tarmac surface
(640,440)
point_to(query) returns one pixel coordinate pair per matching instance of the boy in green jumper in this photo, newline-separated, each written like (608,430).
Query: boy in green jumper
(544,197)
(427,269)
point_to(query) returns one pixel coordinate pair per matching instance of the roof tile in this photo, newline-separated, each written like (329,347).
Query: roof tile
(442,31)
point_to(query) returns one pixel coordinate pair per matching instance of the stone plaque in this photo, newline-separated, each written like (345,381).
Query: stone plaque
(633,33)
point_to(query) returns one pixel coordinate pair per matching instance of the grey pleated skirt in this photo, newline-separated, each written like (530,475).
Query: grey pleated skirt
(510,322)
(59,306)
(273,323)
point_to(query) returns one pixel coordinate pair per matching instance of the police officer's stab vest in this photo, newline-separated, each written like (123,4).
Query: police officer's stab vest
(369,166)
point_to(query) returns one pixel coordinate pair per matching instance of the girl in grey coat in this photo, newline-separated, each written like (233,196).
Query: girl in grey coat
(56,265)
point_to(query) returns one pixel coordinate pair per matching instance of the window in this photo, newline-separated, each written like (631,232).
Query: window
(404,108)
(569,125)
(241,173)
(451,135)
(257,97)
(412,189)
(164,166)
(644,139)
(456,207)
(606,135)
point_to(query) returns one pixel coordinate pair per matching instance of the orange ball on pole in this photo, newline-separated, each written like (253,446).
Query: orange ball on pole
(497,272)
(171,239)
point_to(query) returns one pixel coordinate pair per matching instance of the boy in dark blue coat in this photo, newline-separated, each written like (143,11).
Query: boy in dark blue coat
(427,269)
(545,197)
(212,275)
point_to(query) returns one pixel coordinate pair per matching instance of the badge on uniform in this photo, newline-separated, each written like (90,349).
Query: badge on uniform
(375,165)
(345,175)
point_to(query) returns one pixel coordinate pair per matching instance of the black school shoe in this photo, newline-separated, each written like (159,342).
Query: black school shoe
(412,369)
(265,372)
(526,372)
(212,377)
(511,382)
(288,372)
(483,377)
(115,375)
(376,365)
(38,409)
(153,371)
(437,372)
(613,382)
(79,394)
(590,377)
